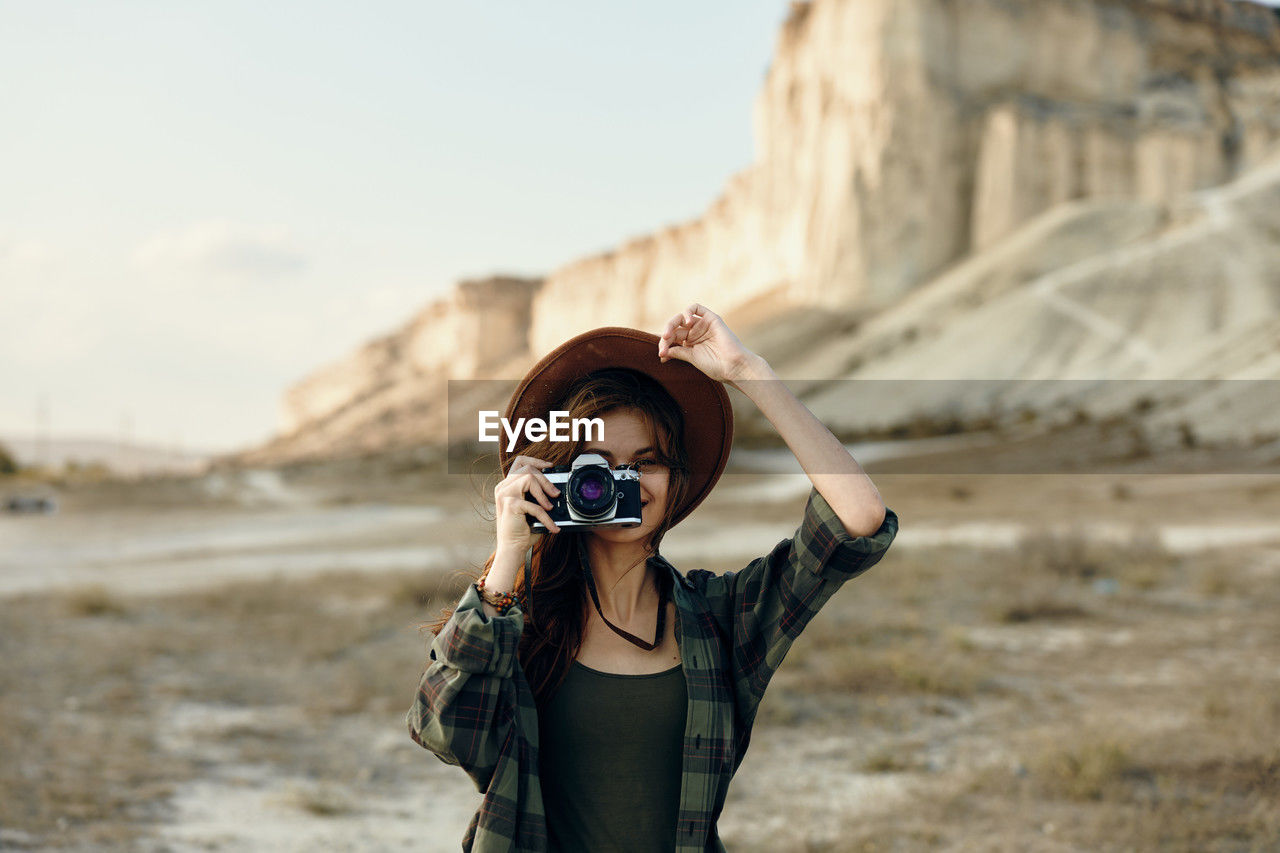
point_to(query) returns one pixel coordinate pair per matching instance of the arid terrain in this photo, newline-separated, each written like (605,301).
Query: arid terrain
(1041,662)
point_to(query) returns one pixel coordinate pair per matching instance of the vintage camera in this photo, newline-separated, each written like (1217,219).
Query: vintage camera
(592,495)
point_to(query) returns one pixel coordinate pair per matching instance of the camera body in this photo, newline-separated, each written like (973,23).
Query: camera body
(592,495)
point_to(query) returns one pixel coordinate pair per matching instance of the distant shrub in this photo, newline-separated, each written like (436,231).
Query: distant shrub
(1073,554)
(93,601)
(1083,771)
(8,465)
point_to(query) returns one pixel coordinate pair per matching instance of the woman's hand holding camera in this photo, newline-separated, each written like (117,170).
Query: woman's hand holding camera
(524,491)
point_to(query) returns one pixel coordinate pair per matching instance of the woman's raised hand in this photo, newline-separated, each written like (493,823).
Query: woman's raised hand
(524,491)
(698,335)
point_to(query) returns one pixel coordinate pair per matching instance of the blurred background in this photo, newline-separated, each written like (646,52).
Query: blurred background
(1024,258)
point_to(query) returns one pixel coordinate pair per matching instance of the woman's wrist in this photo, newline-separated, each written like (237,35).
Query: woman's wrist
(500,602)
(753,368)
(502,574)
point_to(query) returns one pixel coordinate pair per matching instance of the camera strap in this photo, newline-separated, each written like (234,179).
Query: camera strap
(528,583)
(626,635)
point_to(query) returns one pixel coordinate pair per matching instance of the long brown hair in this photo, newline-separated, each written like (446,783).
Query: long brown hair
(554,626)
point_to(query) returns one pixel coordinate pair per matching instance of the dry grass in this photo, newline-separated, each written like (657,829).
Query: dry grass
(1087,770)
(905,670)
(902,629)
(80,761)
(1220,576)
(82,676)
(1164,739)
(1040,708)
(1183,790)
(1072,554)
(1037,599)
(1031,609)
(320,799)
(93,601)
(886,761)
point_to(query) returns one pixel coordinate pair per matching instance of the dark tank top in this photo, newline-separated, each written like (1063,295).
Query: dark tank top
(610,750)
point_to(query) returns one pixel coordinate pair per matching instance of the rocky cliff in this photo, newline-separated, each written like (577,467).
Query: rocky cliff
(1176,307)
(894,139)
(895,136)
(392,391)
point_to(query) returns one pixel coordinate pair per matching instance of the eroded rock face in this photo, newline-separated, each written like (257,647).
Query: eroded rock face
(1154,298)
(894,138)
(478,329)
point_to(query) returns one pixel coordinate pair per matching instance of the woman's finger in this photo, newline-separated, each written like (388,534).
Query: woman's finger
(677,337)
(527,462)
(521,484)
(533,483)
(679,354)
(668,336)
(530,487)
(504,485)
(534,475)
(679,329)
(547,486)
(521,464)
(537,512)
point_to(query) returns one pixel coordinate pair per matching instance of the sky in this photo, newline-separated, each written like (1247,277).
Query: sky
(201,203)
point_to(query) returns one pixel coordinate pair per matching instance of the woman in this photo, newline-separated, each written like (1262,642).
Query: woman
(600,699)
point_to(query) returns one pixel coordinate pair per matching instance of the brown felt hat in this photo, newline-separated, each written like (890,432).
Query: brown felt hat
(703,402)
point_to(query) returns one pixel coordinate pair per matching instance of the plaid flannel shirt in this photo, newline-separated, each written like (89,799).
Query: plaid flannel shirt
(475,709)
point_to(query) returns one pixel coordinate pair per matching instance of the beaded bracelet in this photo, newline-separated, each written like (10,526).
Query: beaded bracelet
(500,602)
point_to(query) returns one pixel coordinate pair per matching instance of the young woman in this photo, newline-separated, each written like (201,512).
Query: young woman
(600,699)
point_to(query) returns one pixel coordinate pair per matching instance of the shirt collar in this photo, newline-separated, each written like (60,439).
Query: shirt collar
(662,564)
(659,562)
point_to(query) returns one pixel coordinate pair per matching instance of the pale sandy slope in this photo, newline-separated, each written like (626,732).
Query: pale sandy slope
(1088,291)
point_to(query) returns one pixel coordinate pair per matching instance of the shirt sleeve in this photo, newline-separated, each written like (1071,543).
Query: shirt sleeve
(465,706)
(763,607)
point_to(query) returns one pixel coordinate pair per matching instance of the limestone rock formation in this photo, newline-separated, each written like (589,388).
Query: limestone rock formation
(1129,298)
(393,391)
(894,137)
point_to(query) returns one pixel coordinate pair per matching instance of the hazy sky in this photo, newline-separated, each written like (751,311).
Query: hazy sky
(202,202)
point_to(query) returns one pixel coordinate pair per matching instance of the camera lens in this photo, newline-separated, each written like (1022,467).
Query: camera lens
(591,491)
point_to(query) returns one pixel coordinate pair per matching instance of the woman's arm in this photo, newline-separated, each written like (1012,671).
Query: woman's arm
(831,468)
(699,336)
(846,527)
(765,606)
(469,700)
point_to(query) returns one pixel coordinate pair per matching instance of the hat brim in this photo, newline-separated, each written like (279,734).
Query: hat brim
(703,401)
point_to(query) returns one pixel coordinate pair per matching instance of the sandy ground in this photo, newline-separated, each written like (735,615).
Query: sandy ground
(1043,661)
